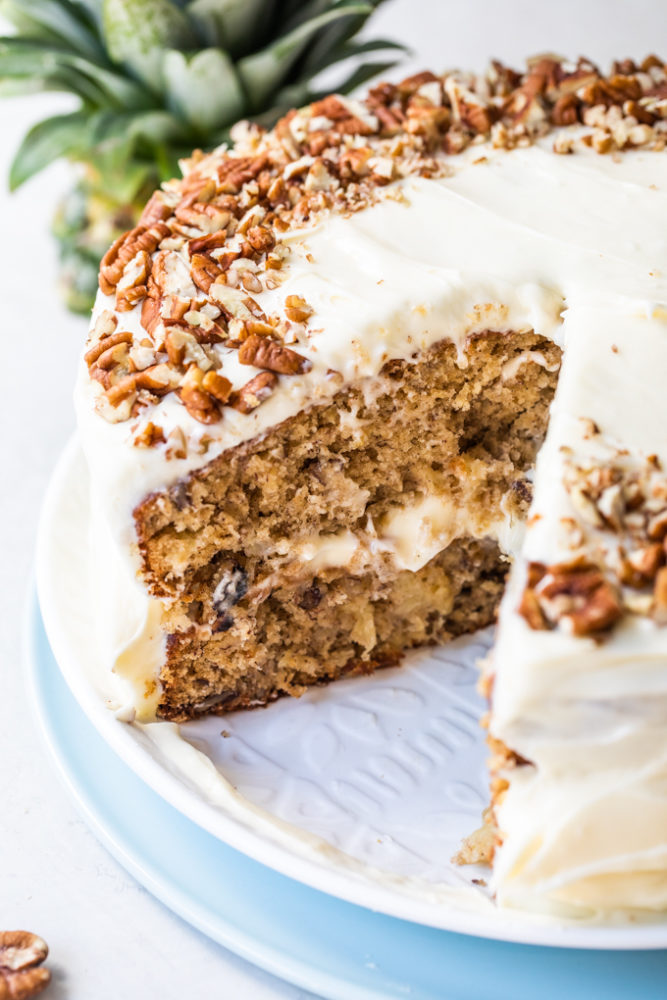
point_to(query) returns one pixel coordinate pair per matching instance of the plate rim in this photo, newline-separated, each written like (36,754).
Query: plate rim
(506,925)
(348,972)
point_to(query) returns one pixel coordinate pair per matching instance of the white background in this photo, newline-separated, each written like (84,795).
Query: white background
(109,939)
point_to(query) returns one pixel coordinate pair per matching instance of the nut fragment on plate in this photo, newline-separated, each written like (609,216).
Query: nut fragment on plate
(21,957)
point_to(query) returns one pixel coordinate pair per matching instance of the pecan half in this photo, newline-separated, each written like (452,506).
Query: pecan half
(264,353)
(125,248)
(156,210)
(21,955)
(98,349)
(204,271)
(254,392)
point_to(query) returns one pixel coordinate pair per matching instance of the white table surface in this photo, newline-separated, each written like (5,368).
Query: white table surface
(109,938)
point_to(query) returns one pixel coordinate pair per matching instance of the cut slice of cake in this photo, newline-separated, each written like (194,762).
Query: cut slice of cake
(318,377)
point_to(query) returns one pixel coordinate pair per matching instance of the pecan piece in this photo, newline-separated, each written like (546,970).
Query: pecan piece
(660,597)
(204,271)
(199,403)
(21,955)
(156,210)
(581,595)
(217,386)
(152,434)
(124,249)
(204,244)
(264,353)
(158,379)
(254,392)
(98,349)
(566,110)
(576,593)
(297,309)
(150,315)
(123,389)
(261,239)
(529,608)
(132,288)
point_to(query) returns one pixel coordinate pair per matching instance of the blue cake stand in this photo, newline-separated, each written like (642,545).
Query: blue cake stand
(322,944)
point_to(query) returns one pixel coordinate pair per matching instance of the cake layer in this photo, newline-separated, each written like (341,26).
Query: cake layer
(329,626)
(457,427)
(370,487)
(307,540)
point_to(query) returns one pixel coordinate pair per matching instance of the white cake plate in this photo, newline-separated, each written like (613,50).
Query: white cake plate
(362,789)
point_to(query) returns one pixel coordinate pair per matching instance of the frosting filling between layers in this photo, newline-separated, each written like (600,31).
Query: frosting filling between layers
(130,621)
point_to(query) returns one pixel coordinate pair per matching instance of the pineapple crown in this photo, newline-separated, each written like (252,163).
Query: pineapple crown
(157,77)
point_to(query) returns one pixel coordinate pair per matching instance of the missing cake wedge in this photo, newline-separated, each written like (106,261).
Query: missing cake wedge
(322,375)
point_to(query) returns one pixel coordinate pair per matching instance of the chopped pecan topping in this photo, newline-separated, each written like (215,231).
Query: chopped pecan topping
(209,246)
(157,209)
(576,594)
(621,507)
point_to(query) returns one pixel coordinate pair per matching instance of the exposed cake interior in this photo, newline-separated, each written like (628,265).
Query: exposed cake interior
(351,532)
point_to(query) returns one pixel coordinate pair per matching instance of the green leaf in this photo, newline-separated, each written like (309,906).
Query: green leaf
(233,25)
(347,50)
(58,20)
(299,93)
(62,135)
(138,31)
(361,75)
(203,89)
(64,71)
(330,35)
(263,72)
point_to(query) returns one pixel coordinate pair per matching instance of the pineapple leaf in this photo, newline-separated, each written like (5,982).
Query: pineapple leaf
(361,74)
(348,50)
(61,135)
(56,20)
(204,88)
(138,31)
(61,70)
(263,72)
(299,93)
(233,25)
(330,36)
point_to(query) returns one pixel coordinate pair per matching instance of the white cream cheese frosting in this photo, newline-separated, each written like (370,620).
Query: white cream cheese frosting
(574,248)
(586,823)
